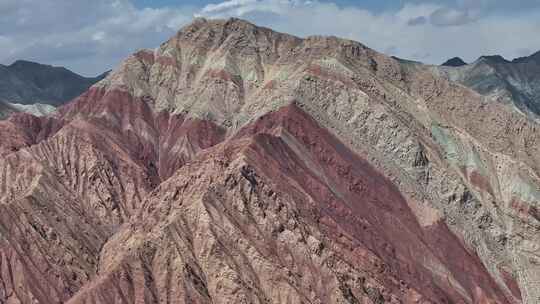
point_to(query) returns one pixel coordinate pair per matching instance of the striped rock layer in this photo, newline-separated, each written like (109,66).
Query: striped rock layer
(235,164)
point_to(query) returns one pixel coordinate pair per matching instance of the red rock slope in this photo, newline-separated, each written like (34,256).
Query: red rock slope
(239,165)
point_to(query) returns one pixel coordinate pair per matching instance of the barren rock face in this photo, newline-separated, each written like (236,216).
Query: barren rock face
(235,164)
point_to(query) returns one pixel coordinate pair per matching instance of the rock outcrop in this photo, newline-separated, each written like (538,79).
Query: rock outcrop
(235,164)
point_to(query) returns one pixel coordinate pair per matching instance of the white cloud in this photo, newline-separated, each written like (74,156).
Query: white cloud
(92,36)
(98,36)
(243,7)
(227,5)
(86,36)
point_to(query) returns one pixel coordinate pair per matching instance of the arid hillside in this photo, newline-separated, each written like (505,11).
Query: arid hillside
(236,164)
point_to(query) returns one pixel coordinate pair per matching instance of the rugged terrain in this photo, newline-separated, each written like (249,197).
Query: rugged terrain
(515,82)
(235,164)
(37,88)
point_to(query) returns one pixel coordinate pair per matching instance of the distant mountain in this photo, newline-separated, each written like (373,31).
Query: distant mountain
(25,83)
(454,62)
(533,58)
(493,59)
(514,82)
(5,110)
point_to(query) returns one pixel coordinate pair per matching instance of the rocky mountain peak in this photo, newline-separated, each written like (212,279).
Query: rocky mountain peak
(253,166)
(454,62)
(242,37)
(497,59)
(230,25)
(243,57)
(232,33)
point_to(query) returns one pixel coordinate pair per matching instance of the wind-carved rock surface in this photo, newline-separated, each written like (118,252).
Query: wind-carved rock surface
(235,164)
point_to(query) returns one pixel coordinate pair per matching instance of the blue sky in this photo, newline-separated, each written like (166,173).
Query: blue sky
(375,5)
(90,37)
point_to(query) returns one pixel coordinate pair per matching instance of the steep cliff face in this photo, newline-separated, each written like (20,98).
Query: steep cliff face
(235,164)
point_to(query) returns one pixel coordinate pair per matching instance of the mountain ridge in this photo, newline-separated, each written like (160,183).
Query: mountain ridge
(498,59)
(237,164)
(513,82)
(38,88)
(42,77)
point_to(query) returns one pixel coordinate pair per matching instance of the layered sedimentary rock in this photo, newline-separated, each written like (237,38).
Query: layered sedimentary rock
(235,164)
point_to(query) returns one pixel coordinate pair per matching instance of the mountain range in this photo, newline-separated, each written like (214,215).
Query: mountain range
(237,164)
(37,88)
(515,82)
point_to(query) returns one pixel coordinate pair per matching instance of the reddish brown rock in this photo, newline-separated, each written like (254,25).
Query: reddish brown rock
(235,164)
